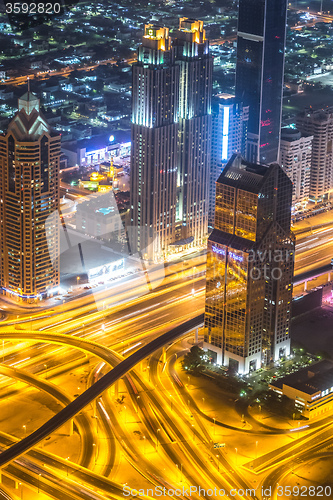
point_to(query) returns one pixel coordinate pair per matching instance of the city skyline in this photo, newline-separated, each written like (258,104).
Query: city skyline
(166,264)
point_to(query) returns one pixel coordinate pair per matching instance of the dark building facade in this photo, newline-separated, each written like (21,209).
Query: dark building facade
(29,162)
(250,266)
(259,73)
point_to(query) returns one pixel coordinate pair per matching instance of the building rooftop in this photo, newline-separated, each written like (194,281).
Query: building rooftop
(93,254)
(243,174)
(310,380)
(290,134)
(319,115)
(28,102)
(29,123)
(231,240)
(102,141)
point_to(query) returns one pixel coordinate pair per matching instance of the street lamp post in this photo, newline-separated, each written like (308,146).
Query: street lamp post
(77,280)
(214,426)
(180,469)
(236,455)
(218,463)
(137,404)
(256,449)
(38,484)
(96,417)
(157,442)
(25,429)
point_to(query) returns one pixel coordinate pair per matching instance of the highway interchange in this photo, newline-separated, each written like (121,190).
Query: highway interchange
(97,332)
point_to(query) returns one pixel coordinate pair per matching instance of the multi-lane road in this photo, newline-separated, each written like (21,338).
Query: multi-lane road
(126,319)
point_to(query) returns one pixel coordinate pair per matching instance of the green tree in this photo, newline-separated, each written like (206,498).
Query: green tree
(193,360)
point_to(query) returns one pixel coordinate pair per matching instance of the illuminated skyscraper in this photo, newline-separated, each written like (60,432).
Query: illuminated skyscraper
(229,136)
(259,73)
(29,162)
(171,140)
(250,267)
(195,91)
(155,95)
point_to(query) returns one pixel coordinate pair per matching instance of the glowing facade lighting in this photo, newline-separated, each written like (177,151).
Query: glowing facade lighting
(225,133)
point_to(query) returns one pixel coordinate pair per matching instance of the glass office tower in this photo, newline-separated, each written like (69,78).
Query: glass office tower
(259,73)
(250,266)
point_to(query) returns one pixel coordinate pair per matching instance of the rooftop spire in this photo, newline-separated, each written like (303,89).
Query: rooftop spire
(28,102)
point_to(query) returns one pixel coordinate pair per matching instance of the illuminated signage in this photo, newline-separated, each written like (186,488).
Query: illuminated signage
(22,295)
(96,152)
(232,255)
(217,250)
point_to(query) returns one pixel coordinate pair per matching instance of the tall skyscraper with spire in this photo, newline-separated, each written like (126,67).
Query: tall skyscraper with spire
(155,94)
(259,73)
(29,164)
(195,128)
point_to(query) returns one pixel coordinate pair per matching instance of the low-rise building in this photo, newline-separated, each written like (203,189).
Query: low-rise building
(311,388)
(99,217)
